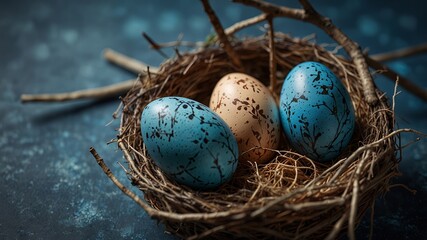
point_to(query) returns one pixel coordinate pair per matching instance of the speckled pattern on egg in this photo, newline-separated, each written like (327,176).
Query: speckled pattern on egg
(189,142)
(250,110)
(316,111)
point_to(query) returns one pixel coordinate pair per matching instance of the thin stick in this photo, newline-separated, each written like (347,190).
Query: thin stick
(337,227)
(404,82)
(310,15)
(126,62)
(95,93)
(154,45)
(355,199)
(113,178)
(245,23)
(222,36)
(347,161)
(400,53)
(272,55)
(228,31)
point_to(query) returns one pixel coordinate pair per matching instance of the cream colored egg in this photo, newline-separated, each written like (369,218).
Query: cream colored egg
(249,109)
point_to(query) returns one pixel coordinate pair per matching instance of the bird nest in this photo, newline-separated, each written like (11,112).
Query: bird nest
(290,196)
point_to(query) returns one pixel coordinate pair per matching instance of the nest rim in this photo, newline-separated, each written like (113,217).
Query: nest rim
(352,185)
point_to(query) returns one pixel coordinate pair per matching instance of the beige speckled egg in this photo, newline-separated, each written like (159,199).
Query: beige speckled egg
(249,109)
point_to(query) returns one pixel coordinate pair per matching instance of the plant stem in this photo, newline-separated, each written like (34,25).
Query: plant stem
(222,36)
(126,62)
(95,93)
(400,53)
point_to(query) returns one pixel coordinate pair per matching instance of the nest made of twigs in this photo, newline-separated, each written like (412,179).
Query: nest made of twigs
(289,197)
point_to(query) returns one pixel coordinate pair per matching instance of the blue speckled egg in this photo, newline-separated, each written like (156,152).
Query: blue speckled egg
(189,142)
(316,112)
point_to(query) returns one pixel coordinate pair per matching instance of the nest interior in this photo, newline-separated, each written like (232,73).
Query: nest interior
(289,197)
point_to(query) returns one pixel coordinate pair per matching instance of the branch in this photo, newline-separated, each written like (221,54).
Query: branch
(95,93)
(113,178)
(245,23)
(126,62)
(310,15)
(404,82)
(222,36)
(400,53)
(109,91)
(154,45)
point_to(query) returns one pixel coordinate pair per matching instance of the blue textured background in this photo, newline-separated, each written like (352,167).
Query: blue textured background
(51,188)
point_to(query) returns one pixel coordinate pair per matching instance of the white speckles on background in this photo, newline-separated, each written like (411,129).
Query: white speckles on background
(41,52)
(368,26)
(10,173)
(127,231)
(86,213)
(100,235)
(70,169)
(32,152)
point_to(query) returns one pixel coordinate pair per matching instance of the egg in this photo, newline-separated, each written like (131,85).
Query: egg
(316,112)
(250,110)
(189,142)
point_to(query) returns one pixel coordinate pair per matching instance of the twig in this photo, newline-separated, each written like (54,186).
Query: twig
(126,62)
(355,199)
(113,178)
(95,93)
(404,82)
(337,227)
(310,15)
(245,23)
(400,53)
(347,161)
(222,36)
(181,44)
(154,45)
(228,31)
